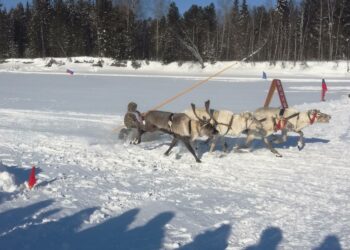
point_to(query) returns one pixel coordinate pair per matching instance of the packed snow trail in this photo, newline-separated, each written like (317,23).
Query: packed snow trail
(96,191)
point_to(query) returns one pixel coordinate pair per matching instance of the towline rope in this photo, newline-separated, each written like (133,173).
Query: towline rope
(201,82)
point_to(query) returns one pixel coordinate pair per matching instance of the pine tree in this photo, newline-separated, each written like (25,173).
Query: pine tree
(282,35)
(39,28)
(4,33)
(209,51)
(243,27)
(172,49)
(103,19)
(58,36)
(19,29)
(235,35)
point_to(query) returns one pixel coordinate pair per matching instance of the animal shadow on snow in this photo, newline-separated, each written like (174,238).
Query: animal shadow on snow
(292,141)
(21,175)
(112,234)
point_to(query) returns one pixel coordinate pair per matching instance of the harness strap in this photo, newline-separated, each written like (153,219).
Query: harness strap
(313,118)
(282,112)
(281,124)
(170,122)
(292,116)
(190,127)
(229,125)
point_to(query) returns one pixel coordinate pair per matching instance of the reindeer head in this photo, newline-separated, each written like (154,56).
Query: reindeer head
(316,115)
(207,126)
(207,129)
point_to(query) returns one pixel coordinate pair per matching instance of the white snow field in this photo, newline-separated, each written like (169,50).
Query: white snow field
(96,191)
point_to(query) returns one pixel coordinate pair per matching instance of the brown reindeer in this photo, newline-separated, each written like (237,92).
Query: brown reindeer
(180,126)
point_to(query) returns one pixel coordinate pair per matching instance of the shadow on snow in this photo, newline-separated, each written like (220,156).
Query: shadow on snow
(21,176)
(23,228)
(292,141)
(271,237)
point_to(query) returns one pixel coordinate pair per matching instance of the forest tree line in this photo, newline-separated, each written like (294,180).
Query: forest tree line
(293,31)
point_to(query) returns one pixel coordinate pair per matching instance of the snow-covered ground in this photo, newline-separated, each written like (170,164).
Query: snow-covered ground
(95,191)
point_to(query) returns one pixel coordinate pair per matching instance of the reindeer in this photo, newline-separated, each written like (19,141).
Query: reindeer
(180,126)
(226,123)
(286,120)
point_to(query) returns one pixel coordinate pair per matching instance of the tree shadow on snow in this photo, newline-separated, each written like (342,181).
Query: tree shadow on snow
(270,238)
(22,215)
(41,233)
(64,233)
(210,240)
(331,242)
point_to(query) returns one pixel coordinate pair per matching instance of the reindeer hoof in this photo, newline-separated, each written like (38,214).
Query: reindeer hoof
(300,146)
(279,156)
(199,161)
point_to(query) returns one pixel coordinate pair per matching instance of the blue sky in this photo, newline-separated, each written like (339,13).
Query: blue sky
(182,4)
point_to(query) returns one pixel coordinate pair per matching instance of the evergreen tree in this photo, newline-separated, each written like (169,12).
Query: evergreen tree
(59,42)
(39,28)
(243,28)
(209,51)
(20,36)
(235,35)
(172,50)
(5,33)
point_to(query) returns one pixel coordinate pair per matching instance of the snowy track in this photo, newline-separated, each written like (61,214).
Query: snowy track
(303,196)
(97,192)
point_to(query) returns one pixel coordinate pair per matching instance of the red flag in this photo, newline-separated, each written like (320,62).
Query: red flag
(324,85)
(324,90)
(32,179)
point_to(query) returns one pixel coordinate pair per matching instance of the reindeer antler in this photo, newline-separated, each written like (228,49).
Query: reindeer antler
(210,112)
(194,111)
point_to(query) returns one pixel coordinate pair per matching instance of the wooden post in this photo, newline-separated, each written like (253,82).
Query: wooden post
(276,84)
(270,94)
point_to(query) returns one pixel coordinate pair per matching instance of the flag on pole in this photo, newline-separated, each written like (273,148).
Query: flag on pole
(71,72)
(324,90)
(264,76)
(32,179)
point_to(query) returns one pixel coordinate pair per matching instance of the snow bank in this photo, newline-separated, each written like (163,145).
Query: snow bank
(7,182)
(91,65)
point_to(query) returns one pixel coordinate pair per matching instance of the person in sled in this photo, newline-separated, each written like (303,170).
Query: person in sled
(133,121)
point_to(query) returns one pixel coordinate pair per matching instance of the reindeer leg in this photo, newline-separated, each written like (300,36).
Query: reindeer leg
(208,140)
(187,143)
(213,143)
(173,143)
(301,143)
(224,144)
(269,146)
(248,141)
(282,138)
